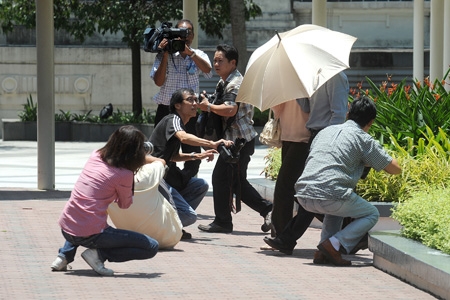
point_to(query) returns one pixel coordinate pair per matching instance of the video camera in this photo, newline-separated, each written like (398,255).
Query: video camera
(231,155)
(153,37)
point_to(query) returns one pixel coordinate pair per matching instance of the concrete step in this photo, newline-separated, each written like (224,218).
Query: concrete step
(427,269)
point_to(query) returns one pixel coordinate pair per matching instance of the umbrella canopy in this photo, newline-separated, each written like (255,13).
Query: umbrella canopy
(294,64)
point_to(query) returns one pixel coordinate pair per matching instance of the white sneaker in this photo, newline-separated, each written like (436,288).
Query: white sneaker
(60,264)
(91,257)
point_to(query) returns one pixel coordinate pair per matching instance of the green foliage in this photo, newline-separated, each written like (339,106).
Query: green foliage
(408,113)
(29,112)
(260,118)
(272,163)
(214,15)
(425,217)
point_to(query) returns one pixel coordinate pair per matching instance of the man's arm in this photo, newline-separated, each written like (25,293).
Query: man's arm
(337,90)
(224,110)
(190,139)
(160,75)
(393,167)
(202,64)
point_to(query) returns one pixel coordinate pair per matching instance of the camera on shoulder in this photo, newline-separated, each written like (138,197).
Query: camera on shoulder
(231,154)
(154,36)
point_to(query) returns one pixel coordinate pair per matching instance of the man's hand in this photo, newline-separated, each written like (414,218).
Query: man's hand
(227,143)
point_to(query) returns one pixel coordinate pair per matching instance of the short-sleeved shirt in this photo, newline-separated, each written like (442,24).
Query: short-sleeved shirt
(242,126)
(181,73)
(163,138)
(336,161)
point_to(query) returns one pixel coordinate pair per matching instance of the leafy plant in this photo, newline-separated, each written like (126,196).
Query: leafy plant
(29,112)
(260,117)
(425,217)
(63,116)
(405,112)
(272,163)
(81,117)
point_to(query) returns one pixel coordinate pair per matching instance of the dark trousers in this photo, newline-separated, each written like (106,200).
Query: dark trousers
(293,158)
(296,226)
(226,178)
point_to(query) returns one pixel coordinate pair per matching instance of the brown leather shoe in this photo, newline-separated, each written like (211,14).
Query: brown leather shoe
(320,258)
(332,254)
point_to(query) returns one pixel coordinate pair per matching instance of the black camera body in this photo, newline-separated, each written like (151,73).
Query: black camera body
(231,155)
(153,37)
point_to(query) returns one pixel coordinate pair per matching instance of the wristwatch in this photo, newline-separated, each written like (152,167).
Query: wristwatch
(193,155)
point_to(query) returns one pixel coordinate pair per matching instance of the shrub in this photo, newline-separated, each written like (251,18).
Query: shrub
(29,112)
(146,117)
(405,112)
(425,217)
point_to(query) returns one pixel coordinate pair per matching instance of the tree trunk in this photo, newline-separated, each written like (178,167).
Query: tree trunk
(239,33)
(136,78)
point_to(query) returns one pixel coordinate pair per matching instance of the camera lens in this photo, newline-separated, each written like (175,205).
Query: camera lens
(148,147)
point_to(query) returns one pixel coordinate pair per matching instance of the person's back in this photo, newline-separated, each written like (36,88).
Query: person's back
(336,161)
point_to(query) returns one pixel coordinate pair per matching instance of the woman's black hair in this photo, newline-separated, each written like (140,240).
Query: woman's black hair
(125,148)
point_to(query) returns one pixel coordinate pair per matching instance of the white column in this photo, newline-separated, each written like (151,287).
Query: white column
(447,42)
(436,39)
(319,12)
(190,12)
(418,34)
(45,95)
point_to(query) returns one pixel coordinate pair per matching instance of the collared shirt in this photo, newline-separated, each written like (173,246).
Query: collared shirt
(329,104)
(242,126)
(336,161)
(181,73)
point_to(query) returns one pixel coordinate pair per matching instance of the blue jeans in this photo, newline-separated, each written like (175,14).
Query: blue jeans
(114,245)
(365,215)
(188,199)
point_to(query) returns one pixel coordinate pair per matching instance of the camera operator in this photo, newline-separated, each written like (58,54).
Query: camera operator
(230,179)
(180,70)
(168,135)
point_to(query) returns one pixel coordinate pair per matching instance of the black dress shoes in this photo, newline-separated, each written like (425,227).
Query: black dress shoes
(213,227)
(278,244)
(186,235)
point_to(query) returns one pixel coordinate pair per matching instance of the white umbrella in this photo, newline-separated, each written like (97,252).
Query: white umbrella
(294,64)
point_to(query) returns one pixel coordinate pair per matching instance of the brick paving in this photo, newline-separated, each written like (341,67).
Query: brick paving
(210,266)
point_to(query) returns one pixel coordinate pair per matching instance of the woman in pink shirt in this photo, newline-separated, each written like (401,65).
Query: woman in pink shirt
(107,177)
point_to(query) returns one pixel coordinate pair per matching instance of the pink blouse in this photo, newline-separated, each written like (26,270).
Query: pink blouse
(98,185)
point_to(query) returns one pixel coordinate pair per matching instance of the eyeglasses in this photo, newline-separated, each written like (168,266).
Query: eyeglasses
(192,100)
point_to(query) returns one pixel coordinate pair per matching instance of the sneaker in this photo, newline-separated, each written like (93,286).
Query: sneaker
(267,223)
(92,259)
(186,235)
(60,264)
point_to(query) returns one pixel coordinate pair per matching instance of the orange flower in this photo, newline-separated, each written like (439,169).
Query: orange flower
(389,77)
(418,85)
(352,91)
(359,85)
(390,91)
(437,97)
(407,88)
(367,92)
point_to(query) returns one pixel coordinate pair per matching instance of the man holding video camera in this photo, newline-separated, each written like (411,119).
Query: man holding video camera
(181,69)
(173,70)
(229,176)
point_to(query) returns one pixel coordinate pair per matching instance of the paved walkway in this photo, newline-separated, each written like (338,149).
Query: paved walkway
(210,266)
